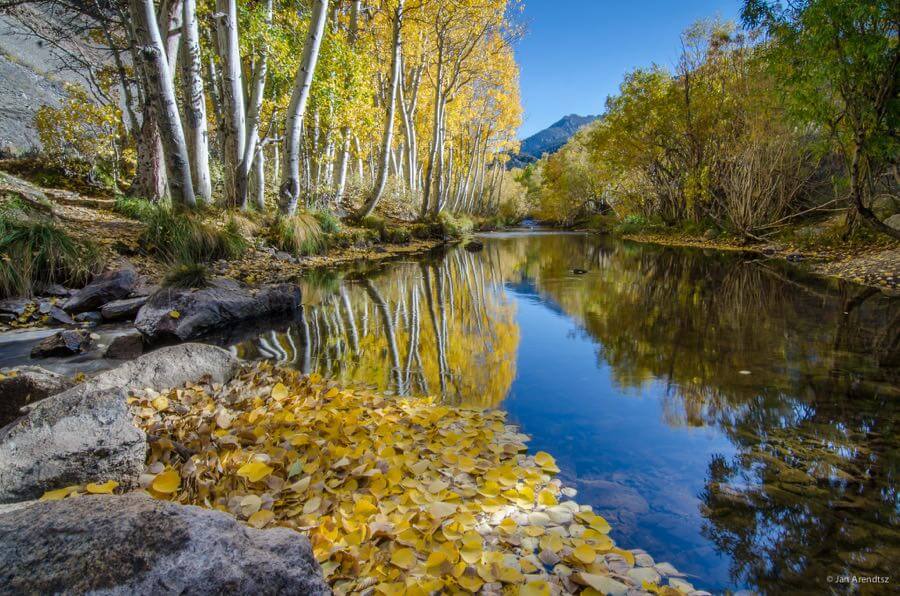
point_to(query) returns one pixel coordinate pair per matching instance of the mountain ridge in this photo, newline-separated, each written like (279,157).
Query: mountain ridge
(549,140)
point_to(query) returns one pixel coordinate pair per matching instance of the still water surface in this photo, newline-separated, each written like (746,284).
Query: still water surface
(727,414)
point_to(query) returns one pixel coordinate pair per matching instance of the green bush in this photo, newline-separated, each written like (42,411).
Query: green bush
(187,275)
(631,224)
(35,251)
(424,231)
(181,237)
(329,222)
(454,226)
(300,234)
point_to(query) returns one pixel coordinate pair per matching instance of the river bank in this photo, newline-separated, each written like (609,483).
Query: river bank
(876,265)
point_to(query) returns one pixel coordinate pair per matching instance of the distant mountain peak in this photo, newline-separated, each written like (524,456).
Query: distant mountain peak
(549,140)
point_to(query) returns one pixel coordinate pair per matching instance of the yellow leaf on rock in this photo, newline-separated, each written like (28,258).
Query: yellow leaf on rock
(167,481)
(102,489)
(174,314)
(254,471)
(60,493)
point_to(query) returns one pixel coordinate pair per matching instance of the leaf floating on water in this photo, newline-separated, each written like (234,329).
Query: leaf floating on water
(102,489)
(546,461)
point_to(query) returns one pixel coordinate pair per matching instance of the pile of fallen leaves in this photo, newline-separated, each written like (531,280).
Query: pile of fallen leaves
(403,495)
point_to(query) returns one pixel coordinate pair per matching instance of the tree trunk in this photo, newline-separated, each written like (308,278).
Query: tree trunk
(233,120)
(171,22)
(150,179)
(196,128)
(290,176)
(257,90)
(344,158)
(369,207)
(161,92)
(856,193)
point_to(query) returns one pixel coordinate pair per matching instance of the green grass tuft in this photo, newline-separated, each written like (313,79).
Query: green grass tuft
(180,237)
(187,275)
(134,208)
(35,251)
(300,234)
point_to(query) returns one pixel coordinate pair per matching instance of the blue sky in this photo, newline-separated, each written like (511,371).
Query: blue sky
(575,52)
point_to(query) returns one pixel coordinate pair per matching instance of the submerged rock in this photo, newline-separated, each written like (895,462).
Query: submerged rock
(25,385)
(118,310)
(133,544)
(62,343)
(125,347)
(474,246)
(112,285)
(87,434)
(185,314)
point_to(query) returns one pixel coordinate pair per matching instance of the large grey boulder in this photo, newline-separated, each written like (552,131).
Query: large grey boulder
(133,544)
(25,385)
(186,314)
(109,286)
(75,437)
(87,434)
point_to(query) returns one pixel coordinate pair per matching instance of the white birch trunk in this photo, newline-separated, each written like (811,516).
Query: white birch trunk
(290,176)
(381,181)
(161,93)
(196,127)
(232,97)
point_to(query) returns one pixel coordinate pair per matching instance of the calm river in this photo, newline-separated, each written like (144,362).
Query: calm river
(727,414)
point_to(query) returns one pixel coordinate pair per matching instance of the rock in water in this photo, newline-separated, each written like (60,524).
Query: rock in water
(112,285)
(475,246)
(118,310)
(25,385)
(86,434)
(133,544)
(186,314)
(62,343)
(125,347)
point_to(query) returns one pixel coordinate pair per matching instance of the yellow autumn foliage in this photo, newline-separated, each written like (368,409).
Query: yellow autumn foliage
(394,493)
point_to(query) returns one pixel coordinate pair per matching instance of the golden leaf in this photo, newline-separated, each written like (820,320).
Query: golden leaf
(167,481)
(102,489)
(255,471)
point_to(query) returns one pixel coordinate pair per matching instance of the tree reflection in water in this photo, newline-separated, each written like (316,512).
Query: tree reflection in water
(799,373)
